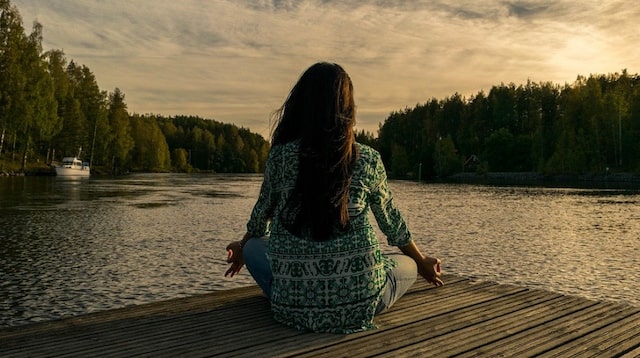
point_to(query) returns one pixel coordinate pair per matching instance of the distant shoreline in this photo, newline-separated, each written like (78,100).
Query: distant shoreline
(625,180)
(628,180)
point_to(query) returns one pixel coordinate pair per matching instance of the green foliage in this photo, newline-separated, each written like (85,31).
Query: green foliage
(446,158)
(50,109)
(505,152)
(214,146)
(150,152)
(366,138)
(27,105)
(121,140)
(404,144)
(582,128)
(400,165)
(180,161)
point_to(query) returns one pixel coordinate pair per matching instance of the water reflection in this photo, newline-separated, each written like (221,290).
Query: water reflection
(575,241)
(69,247)
(73,247)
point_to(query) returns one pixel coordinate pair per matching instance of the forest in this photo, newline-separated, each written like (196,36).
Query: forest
(51,107)
(591,126)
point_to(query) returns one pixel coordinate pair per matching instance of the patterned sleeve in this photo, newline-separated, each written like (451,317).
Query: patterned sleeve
(260,219)
(387,215)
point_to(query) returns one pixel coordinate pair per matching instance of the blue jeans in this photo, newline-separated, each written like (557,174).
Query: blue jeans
(256,259)
(399,279)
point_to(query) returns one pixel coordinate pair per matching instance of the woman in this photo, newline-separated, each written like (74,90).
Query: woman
(309,243)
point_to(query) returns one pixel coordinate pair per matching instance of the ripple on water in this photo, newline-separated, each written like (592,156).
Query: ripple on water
(115,243)
(570,241)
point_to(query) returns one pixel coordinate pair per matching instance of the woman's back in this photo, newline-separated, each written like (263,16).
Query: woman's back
(331,285)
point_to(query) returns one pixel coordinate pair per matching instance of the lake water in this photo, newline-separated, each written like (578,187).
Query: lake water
(72,246)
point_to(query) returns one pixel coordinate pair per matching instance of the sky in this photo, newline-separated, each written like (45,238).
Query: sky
(235,61)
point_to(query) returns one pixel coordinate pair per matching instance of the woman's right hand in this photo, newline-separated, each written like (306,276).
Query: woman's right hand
(429,268)
(235,258)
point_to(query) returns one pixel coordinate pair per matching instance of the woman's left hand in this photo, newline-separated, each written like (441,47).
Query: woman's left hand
(234,257)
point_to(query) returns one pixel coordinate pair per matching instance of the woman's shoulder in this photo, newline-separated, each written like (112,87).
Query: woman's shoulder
(285,149)
(366,153)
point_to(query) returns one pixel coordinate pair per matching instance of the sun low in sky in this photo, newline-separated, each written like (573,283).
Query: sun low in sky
(235,61)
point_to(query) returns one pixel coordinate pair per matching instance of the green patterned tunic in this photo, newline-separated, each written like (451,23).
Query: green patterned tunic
(335,285)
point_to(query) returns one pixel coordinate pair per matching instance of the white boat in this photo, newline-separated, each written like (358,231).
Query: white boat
(72,166)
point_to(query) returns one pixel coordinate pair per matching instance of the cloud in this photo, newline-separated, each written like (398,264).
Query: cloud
(235,61)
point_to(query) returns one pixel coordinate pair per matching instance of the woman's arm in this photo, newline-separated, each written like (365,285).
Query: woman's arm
(258,224)
(393,225)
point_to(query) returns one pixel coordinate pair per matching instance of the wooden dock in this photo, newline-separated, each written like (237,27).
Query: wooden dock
(465,318)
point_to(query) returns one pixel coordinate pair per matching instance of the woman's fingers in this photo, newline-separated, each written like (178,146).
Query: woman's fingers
(234,269)
(432,271)
(436,281)
(437,268)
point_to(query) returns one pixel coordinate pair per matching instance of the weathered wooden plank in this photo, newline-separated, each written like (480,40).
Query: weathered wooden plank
(441,305)
(416,296)
(486,327)
(289,337)
(465,318)
(618,337)
(634,353)
(425,324)
(540,333)
(164,308)
(91,332)
(180,338)
(233,342)
(111,331)
(587,322)
(243,344)
(190,330)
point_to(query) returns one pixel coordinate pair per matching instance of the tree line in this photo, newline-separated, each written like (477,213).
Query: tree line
(51,107)
(591,126)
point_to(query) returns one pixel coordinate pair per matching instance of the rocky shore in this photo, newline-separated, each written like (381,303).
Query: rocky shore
(11,174)
(31,172)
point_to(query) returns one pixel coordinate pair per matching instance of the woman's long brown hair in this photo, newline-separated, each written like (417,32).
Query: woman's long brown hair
(320,112)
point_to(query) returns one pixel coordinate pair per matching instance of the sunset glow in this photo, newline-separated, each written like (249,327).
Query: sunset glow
(234,61)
